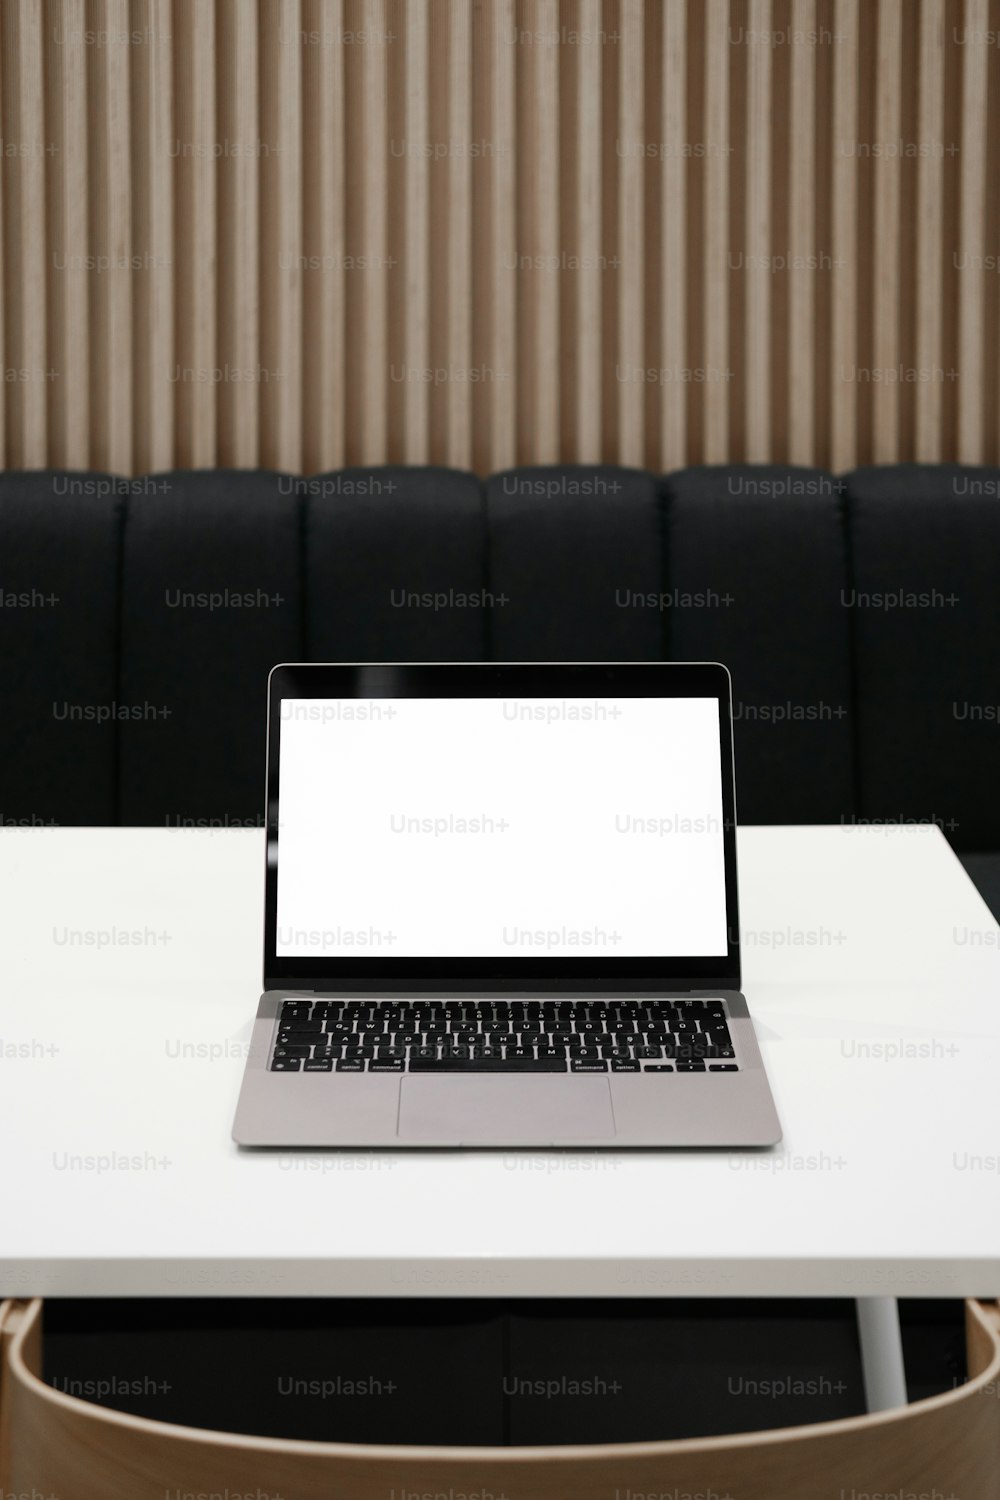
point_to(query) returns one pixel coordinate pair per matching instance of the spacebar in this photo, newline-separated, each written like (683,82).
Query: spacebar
(486,1065)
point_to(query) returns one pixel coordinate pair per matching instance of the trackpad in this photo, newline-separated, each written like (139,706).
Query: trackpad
(481,1109)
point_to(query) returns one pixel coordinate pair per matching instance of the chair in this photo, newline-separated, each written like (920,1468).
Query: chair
(56,1445)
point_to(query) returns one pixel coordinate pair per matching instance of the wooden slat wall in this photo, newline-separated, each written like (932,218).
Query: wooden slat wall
(306,233)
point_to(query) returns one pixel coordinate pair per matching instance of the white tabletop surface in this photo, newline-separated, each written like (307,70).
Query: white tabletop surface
(131,963)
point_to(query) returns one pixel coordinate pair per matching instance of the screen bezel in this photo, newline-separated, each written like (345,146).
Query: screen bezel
(363,680)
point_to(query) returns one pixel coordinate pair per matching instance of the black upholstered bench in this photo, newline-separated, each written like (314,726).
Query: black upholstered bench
(860,617)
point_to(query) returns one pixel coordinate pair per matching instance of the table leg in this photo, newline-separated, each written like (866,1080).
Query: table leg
(881,1353)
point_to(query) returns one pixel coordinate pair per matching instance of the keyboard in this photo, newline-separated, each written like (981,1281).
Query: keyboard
(531,1036)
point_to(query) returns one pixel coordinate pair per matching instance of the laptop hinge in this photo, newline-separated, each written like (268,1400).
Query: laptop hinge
(707,986)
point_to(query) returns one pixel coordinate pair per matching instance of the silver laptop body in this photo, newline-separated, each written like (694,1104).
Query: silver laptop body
(501,910)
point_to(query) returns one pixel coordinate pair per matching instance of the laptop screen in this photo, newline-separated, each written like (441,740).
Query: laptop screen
(501,827)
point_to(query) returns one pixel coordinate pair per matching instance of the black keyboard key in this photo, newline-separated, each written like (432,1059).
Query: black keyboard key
(658,1068)
(723,1068)
(554,1051)
(585,1054)
(286,1065)
(384,1066)
(617,1054)
(649,1052)
(351,1054)
(623,1067)
(320,1065)
(598,1066)
(286,1052)
(350,1065)
(690,1067)
(390,1054)
(524,1053)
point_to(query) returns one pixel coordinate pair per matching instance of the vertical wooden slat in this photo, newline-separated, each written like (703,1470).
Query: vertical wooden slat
(25,238)
(801,221)
(195,219)
(454,259)
(367,238)
(414,250)
(402,147)
(280,383)
(844,244)
(153,236)
(929,231)
(110,237)
(715,231)
(580,333)
(991,449)
(971,306)
(323,236)
(884,386)
(631,318)
(241,139)
(673,231)
(495,239)
(538,246)
(757,236)
(67,248)
(3,262)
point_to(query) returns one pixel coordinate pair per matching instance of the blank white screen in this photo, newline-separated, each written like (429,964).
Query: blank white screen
(500,827)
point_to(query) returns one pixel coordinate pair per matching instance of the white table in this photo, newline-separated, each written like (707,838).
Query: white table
(872,968)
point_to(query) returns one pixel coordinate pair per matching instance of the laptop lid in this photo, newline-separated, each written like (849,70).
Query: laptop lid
(495,826)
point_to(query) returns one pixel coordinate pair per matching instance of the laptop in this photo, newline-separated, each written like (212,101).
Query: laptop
(501,911)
